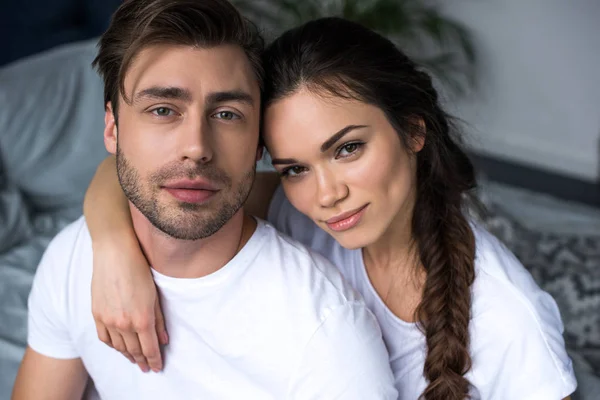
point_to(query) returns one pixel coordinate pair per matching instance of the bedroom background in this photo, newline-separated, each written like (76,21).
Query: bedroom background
(523,75)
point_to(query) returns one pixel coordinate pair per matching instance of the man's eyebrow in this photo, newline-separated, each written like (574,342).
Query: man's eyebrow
(164,93)
(338,135)
(230,95)
(284,161)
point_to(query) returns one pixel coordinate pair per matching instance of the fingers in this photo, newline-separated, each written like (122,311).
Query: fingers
(151,349)
(113,340)
(134,348)
(152,337)
(103,334)
(161,328)
(139,345)
(119,345)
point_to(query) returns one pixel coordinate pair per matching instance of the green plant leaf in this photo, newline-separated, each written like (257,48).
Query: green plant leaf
(442,45)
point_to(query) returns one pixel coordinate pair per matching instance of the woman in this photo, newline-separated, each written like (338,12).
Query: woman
(373,178)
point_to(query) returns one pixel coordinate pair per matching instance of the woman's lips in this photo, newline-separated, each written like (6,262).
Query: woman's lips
(346,220)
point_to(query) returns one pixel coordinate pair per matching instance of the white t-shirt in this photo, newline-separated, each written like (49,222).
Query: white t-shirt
(276,322)
(517,347)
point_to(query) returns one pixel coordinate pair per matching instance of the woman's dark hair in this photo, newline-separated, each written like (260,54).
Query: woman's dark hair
(333,56)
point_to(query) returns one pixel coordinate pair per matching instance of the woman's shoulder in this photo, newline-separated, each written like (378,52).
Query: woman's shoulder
(516,327)
(503,284)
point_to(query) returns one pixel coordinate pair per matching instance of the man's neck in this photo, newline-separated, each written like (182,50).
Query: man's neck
(192,258)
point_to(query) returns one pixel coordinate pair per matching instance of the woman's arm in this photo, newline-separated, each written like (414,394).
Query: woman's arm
(124,298)
(105,206)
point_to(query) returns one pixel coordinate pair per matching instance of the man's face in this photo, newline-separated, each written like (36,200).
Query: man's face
(187,139)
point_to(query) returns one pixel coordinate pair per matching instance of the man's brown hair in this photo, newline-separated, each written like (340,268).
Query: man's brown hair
(200,23)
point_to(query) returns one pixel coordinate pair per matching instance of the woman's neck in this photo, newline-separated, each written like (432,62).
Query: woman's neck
(396,245)
(394,269)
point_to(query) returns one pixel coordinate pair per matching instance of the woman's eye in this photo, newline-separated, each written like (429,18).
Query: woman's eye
(226,115)
(293,171)
(348,149)
(162,112)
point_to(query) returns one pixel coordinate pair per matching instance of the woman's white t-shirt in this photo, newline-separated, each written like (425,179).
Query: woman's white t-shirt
(517,347)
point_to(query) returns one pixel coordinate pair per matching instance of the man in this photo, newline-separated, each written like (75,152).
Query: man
(251,314)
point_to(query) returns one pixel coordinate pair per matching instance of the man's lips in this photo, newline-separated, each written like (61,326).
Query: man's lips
(191,191)
(196,184)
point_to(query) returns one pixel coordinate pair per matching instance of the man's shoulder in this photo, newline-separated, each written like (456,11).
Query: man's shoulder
(71,244)
(71,235)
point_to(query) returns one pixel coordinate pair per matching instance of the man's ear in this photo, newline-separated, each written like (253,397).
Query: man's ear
(110,129)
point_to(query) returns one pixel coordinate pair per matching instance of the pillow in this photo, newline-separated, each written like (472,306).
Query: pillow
(15,224)
(51,125)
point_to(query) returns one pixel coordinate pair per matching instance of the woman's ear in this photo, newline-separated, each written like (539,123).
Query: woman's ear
(110,129)
(419,135)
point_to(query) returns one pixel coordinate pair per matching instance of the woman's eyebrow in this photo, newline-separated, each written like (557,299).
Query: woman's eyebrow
(338,135)
(325,146)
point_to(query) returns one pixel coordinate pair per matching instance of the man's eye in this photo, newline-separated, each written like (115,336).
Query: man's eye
(226,115)
(162,112)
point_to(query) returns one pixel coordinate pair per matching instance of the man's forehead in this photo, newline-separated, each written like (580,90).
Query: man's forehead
(197,70)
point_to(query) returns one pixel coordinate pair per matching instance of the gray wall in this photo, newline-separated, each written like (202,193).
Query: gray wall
(539,100)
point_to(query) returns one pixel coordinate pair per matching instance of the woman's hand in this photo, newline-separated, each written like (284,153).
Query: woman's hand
(126,306)
(125,301)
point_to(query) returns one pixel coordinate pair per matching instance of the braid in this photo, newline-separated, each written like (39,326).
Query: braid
(446,246)
(447,252)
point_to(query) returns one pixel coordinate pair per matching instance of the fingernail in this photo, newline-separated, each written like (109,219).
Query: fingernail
(165,337)
(157,370)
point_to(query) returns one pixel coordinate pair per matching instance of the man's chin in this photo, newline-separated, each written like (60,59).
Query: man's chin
(189,225)
(182,232)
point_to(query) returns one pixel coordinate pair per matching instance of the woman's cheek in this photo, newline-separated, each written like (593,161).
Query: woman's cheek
(369,171)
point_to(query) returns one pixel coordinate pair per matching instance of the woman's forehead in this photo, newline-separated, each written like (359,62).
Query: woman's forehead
(304,121)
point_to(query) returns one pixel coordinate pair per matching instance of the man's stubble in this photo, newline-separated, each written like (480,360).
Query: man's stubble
(185,221)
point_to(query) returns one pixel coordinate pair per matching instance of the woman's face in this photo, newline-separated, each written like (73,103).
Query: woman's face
(342,164)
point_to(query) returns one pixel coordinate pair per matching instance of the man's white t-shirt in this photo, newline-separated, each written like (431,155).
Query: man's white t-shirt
(276,322)
(517,347)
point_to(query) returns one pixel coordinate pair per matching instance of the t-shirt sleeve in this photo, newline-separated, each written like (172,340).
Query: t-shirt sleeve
(47,322)
(520,351)
(345,359)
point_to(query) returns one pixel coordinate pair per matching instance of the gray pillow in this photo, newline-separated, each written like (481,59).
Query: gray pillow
(15,224)
(51,124)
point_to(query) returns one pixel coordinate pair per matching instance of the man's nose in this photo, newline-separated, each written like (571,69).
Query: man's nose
(196,140)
